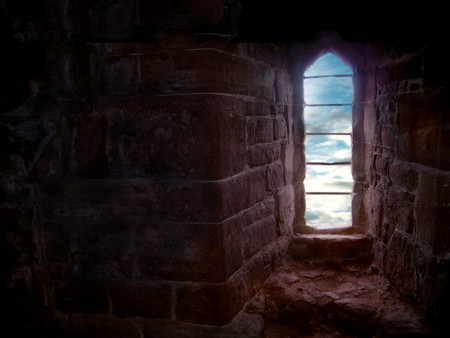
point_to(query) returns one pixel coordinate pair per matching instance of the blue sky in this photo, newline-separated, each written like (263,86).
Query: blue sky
(328,209)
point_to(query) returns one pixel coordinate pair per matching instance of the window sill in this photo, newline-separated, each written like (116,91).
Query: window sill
(342,228)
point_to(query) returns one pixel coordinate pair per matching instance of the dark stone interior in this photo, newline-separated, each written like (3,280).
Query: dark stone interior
(153,162)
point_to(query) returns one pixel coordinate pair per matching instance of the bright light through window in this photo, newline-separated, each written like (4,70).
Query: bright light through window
(328,94)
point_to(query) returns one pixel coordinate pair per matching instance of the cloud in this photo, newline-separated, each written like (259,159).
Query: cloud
(328,148)
(328,90)
(331,209)
(322,178)
(328,119)
(328,209)
(328,64)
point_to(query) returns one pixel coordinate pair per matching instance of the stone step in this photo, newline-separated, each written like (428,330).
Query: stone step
(355,247)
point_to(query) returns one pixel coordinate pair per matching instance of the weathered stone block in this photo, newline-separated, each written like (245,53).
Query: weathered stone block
(81,296)
(187,135)
(244,325)
(403,175)
(371,117)
(212,201)
(286,210)
(358,122)
(387,110)
(260,109)
(259,130)
(217,304)
(299,206)
(102,19)
(445,149)
(284,88)
(258,211)
(83,326)
(18,239)
(381,164)
(199,252)
(419,118)
(257,235)
(114,75)
(274,176)
(357,208)
(373,211)
(400,263)
(207,70)
(387,135)
(432,210)
(419,147)
(410,68)
(250,188)
(399,209)
(135,298)
(262,154)
(24,144)
(212,304)
(299,163)
(354,247)
(196,201)
(280,130)
(56,239)
(135,249)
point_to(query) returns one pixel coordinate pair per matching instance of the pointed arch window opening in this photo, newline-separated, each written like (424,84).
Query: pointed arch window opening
(328,94)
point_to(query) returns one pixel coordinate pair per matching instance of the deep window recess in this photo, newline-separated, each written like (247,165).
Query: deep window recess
(328,95)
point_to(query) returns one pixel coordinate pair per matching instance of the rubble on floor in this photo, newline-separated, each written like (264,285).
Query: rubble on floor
(332,298)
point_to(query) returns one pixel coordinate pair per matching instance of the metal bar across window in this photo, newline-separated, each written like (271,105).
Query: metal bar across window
(326,104)
(328,193)
(328,133)
(320,76)
(328,163)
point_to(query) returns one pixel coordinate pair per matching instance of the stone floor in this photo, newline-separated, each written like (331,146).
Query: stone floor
(312,298)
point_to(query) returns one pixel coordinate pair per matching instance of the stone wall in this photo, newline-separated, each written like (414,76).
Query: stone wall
(406,128)
(143,181)
(400,161)
(149,180)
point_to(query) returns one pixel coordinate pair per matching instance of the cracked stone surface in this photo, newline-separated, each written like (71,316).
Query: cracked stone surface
(312,298)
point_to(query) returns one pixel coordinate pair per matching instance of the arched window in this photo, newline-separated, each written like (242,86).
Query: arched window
(328,96)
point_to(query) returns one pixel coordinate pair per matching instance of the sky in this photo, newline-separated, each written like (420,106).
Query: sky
(328,210)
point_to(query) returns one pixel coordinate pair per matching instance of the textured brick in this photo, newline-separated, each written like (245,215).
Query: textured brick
(262,154)
(103,19)
(374,211)
(257,235)
(284,88)
(258,211)
(403,175)
(371,117)
(149,249)
(187,135)
(84,326)
(88,297)
(280,131)
(205,70)
(411,68)
(286,209)
(259,130)
(134,298)
(274,176)
(212,304)
(400,262)
(199,252)
(114,75)
(432,211)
